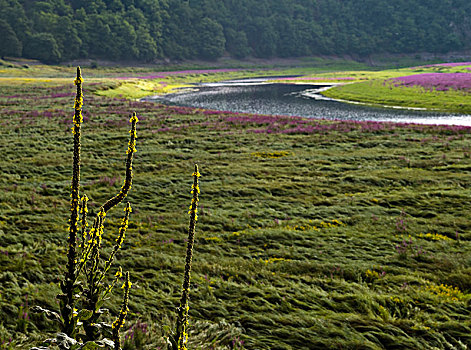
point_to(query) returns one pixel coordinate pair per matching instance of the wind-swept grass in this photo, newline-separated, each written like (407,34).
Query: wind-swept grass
(312,234)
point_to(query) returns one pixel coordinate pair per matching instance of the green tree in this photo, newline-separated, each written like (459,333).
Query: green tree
(9,43)
(178,32)
(98,37)
(42,46)
(262,37)
(146,46)
(114,5)
(124,38)
(210,42)
(14,14)
(236,43)
(66,33)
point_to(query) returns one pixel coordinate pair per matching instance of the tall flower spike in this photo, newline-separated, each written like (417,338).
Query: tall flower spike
(128,178)
(181,332)
(74,208)
(119,322)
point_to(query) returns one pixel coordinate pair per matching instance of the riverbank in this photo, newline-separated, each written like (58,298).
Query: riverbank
(362,83)
(333,234)
(381,93)
(376,88)
(441,87)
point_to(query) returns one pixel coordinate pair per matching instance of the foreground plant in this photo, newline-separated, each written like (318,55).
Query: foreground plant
(179,339)
(84,290)
(119,322)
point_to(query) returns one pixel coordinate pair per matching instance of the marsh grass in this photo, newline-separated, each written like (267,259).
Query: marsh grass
(263,278)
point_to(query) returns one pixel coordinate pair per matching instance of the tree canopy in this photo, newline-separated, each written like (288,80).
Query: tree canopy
(144,30)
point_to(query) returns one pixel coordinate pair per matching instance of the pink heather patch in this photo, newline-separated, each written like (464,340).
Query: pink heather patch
(453,64)
(437,81)
(317,78)
(450,64)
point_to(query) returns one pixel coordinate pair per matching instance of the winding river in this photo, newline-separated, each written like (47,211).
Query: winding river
(261,97)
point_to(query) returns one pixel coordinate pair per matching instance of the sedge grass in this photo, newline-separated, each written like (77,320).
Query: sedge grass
(273,269)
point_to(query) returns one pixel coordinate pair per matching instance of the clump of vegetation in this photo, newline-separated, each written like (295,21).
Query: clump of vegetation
(83,288)
(274,269)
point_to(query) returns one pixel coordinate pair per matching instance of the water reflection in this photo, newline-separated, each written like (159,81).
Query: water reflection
(296,100)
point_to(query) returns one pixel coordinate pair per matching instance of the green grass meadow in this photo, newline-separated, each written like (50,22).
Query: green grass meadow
(311,234)
(378,92)
(376,88)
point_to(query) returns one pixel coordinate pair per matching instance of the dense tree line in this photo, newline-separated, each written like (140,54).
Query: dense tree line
(144,30)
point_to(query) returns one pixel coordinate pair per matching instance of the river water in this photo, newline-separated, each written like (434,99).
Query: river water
(259,97)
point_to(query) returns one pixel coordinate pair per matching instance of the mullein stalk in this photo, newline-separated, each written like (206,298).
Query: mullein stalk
(124,189)
(128,178)
(119,322)
(181,332)
(70,277)
(86,262)
(90,257)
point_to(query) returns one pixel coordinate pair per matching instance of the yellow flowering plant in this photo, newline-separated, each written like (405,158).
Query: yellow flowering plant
(119,322)
(84,290)
(179,339)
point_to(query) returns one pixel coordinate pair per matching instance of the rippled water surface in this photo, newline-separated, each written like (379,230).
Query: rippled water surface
(254,96)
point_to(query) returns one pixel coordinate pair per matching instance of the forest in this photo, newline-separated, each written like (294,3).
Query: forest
(56,31)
